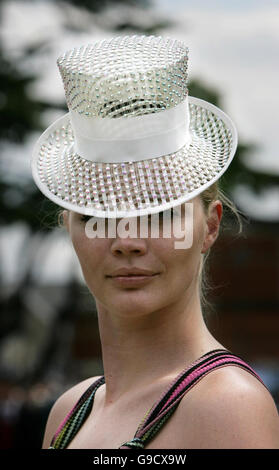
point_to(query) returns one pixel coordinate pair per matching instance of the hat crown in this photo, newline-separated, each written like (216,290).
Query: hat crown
(125,76)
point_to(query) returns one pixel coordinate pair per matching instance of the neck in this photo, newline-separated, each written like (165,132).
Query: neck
(141,351)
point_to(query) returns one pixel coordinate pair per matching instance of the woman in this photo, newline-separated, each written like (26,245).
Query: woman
(168,383)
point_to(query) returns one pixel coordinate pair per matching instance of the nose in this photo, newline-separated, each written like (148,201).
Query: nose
(128,246)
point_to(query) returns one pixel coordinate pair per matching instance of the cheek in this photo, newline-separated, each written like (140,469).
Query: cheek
(182,264)
(183,270)
(80,243)
(91,254)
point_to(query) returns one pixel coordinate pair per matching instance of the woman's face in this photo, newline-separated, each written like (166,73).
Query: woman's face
(171,272)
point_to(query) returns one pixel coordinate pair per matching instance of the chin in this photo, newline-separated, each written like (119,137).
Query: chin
(132,304)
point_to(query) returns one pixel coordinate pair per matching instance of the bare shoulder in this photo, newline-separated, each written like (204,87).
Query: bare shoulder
(62,406)
(230,408)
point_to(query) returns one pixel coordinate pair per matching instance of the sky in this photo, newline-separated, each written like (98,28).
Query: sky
(233,46)
(238,5)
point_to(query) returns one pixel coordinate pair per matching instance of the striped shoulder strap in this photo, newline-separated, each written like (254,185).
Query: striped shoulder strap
(168,402)
(76,417)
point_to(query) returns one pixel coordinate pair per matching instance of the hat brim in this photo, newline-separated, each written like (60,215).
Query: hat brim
(132,189)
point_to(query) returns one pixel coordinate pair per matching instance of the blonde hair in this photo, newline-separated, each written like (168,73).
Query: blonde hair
(214,193)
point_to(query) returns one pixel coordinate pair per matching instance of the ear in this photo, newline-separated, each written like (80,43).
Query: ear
(213,220)
(66,215)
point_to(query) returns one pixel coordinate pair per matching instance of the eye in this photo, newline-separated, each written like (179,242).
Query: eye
(168,214)
(175,212)
(85,218)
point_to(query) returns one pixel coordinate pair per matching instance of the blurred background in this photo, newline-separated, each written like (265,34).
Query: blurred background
(48,325)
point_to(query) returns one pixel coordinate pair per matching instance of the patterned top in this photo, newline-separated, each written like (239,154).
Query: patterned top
(160,412)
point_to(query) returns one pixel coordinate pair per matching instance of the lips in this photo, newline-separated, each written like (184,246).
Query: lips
(132,272)
(133,278)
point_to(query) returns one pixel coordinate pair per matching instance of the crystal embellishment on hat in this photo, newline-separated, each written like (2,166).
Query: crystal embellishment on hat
(133,142)
(125,76)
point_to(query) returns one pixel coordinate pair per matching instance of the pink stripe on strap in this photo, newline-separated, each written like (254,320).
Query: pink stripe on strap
(176,379)
(86,394)
(143,429)
(206,368)
(63,424)
(203,371)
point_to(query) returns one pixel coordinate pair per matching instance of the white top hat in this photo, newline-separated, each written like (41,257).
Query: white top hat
(133,142)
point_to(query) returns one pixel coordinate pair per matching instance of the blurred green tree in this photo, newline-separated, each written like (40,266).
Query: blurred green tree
(21,201)
(238,172)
